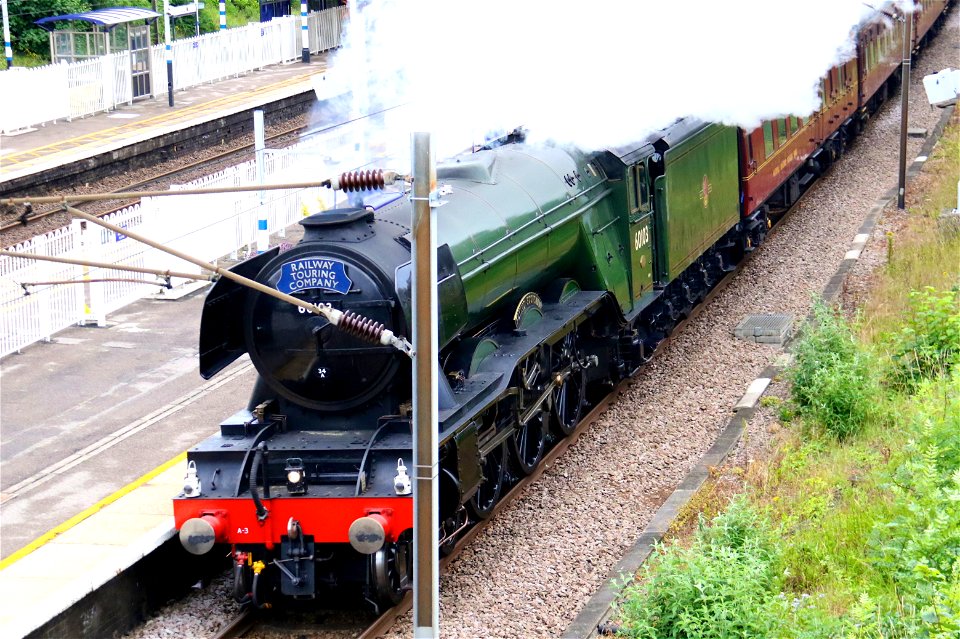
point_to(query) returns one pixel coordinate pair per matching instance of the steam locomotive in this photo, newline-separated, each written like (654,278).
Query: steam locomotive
(559,271)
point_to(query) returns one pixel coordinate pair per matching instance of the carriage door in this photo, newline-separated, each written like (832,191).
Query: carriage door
(641,230)
(139,45)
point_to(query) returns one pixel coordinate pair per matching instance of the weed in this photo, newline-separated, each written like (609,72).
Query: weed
(724,585)
(929,345)
(834,379)
(769,401)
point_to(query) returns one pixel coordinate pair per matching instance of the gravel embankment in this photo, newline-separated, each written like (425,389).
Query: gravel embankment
(533,569)
(530,572)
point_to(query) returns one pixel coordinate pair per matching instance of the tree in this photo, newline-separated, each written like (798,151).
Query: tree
(29,39)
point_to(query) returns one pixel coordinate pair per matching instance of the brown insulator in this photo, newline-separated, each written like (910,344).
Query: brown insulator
(360,326)
(362,180)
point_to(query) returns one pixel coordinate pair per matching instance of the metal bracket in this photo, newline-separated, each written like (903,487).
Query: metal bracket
(435,198)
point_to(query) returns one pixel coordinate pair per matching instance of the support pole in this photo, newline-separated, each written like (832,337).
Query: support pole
(904,106)
(426,579)
(7,49)
(166,38)
(259,145)
(304,32)
(223,15)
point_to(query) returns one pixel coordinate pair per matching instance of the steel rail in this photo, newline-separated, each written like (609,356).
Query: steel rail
(246,148)
(240,625)
(388,618)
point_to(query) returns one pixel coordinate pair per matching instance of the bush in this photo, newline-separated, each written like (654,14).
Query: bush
(834,379)
(929,345)
(725,585)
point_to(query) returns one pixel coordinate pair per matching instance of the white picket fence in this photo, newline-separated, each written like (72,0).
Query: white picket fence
(71,90)
(206,226)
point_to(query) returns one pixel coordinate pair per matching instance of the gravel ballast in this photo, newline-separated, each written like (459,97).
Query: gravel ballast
(539,562)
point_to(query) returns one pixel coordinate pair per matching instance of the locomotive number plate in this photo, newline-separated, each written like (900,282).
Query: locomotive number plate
(312,273)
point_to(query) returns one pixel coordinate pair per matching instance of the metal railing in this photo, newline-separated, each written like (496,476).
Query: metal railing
(71,90)
(207,226)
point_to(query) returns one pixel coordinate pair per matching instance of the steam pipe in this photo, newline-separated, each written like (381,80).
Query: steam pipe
(254,472)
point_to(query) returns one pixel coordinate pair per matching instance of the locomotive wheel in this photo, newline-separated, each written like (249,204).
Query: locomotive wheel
(391,571)
(493,466)
(569,397)
(528,443)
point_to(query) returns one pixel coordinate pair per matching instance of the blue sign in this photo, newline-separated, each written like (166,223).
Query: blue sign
(313,272)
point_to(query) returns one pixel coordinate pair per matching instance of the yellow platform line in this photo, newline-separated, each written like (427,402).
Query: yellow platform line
(92,510)
(164,119)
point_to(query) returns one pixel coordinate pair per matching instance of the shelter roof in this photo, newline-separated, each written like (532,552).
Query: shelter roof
(109,17)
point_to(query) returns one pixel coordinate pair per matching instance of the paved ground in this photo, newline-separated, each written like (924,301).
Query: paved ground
(98,407)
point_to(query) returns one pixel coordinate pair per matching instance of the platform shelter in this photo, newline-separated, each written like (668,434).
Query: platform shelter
(114,29)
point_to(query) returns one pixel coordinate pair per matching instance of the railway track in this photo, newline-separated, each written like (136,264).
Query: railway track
(169,176)
(247,621)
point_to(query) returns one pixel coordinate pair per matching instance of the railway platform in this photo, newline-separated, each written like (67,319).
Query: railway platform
(94,428)
(58,150)
(95,423)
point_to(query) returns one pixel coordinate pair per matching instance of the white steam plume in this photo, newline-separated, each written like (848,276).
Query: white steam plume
(595,74)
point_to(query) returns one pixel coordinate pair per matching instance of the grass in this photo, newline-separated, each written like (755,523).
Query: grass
(853,518)
(936,263)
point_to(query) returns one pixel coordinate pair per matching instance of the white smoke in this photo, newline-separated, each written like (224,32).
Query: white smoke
(594,74)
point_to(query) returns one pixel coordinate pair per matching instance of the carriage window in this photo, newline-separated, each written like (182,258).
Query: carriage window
(796,124)
(782,132)
(768,138)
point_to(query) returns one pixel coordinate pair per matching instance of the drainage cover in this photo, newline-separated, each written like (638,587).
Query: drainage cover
(765,329)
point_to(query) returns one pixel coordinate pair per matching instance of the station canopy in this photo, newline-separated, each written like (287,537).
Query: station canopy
(108,18)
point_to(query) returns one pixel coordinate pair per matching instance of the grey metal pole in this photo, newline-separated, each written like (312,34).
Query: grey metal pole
(7,49)
(426,523)
(166,37)
(259,145)
(304,33)
(904,104)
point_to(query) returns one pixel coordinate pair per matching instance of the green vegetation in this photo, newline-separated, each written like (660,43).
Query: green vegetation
(851,529)
(834,380)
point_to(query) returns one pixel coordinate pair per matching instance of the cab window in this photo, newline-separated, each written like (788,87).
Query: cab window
(642,194)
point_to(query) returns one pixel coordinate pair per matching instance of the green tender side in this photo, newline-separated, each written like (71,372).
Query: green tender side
(697,198)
